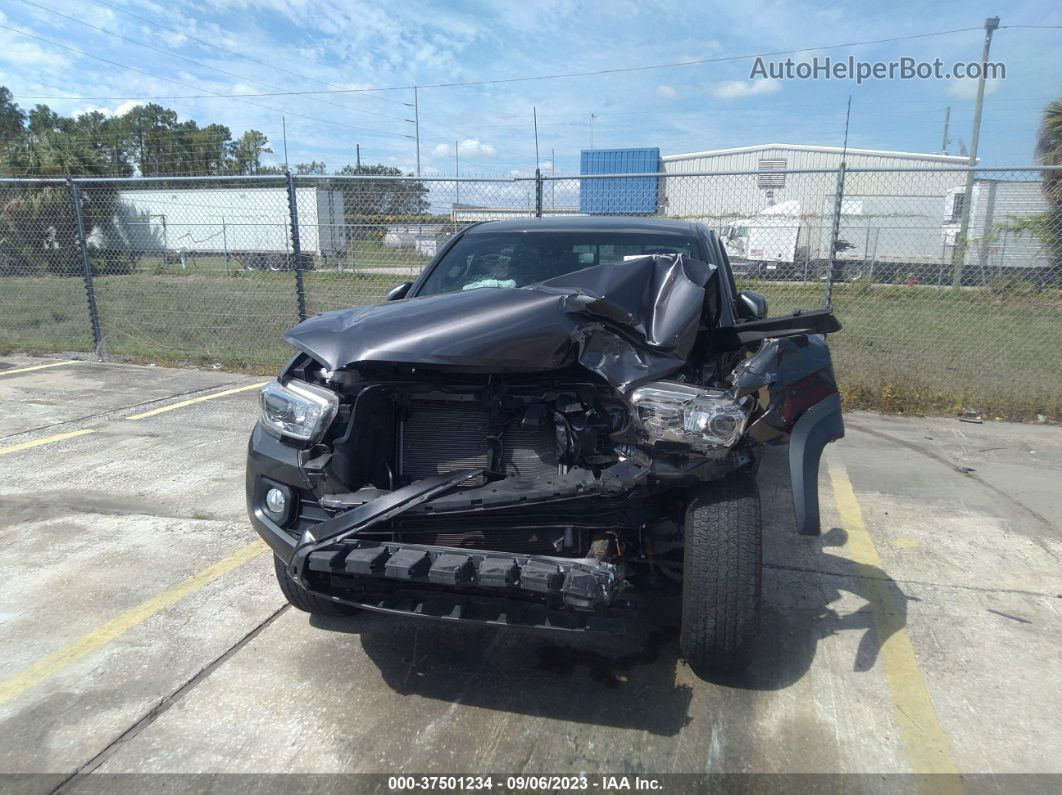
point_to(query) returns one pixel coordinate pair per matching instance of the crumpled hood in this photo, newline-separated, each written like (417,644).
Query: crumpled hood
(628,322)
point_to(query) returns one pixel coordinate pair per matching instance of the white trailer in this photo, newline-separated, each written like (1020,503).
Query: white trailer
(249,225)
(996,239)
(886,235)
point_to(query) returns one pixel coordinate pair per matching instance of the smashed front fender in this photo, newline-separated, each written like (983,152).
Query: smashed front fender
(802,404)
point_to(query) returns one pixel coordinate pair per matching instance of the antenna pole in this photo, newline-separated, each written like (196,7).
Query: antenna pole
(838,203)
(416,123)
(534,115)
(284,133)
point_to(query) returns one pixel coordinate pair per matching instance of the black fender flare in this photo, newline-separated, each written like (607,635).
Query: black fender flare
(817,427)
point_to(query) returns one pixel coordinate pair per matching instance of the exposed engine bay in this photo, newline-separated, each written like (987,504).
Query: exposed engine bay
(538,444)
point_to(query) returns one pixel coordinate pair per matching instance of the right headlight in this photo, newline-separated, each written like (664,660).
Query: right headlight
(701,418)
(298,410)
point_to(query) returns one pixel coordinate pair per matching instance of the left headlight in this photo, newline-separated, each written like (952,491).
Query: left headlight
(301,411)
(705,419)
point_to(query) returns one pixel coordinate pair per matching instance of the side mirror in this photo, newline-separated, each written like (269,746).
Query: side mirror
(398,292)
(752,305)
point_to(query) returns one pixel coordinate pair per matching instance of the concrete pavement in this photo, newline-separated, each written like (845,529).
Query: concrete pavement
(140,633)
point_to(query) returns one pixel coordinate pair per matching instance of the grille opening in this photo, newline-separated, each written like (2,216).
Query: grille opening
(437,437)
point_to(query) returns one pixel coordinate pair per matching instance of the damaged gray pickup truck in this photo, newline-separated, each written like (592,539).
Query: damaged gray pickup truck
(556,414)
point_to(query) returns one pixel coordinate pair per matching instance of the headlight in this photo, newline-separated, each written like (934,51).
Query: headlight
(298,410)
(701,418)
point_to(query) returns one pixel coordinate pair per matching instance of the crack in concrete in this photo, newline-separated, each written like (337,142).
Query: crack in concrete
(164,704)
(965,472)
(122,408)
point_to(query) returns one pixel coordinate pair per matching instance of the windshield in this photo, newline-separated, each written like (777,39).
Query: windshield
(517,259)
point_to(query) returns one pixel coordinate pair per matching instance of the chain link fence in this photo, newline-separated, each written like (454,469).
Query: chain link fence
(948,281)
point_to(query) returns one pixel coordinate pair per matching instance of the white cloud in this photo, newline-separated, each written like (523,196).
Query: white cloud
(665,90)
(733,89)
(967,89)
(126,106)
(469,146)
(24,53)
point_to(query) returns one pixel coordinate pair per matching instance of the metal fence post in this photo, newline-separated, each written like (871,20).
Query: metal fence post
(538,193)
(293,212)
(86,265)
(835,232)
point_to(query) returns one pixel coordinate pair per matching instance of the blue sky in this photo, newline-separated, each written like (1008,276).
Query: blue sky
(357,45)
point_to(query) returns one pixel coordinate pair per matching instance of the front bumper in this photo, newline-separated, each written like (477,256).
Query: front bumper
(447,583)
(470,585)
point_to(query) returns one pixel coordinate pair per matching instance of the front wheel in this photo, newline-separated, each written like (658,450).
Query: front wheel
(722,575)
(301,599)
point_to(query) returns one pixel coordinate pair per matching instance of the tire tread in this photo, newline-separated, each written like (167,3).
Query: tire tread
(722,575)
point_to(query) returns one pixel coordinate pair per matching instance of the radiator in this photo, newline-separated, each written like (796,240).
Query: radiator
(438,437)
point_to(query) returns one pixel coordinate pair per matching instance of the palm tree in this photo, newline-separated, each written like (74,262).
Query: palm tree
(1049,150)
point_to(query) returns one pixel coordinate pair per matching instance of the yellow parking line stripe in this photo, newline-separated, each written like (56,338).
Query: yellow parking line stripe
(35,367)
(53,663)
(929,750)
(46,440)
(193,401)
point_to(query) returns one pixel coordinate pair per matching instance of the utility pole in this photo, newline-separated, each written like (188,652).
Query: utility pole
(553,182)
(959,255)
(284,128)
(357,156)
(944,143)
(416,123)
(592,117)
(457,174)
(534,117)
(538,170)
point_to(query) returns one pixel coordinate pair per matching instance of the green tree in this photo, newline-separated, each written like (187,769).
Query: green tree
(212,144)
(1049,150)
(38,232)
(1048,226)
(45,121)
(104,135)
(369,205)
(313,167)
(11,118)
(247,152)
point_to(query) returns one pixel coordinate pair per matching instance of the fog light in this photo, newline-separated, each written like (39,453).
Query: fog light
(275,501)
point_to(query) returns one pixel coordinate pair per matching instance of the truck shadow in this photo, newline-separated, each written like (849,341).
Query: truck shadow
(799,612)
(626,681)
(638,680)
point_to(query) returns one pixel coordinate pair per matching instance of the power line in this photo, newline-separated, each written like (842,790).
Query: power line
(218,47)
(252,59)
(170,54)
(499,81)
(566,75)
(238,98)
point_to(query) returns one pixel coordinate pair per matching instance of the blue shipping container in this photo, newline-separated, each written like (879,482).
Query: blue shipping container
(635,195)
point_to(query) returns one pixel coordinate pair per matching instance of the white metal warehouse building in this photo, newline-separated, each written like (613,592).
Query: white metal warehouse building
(710,198)
(908,212)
